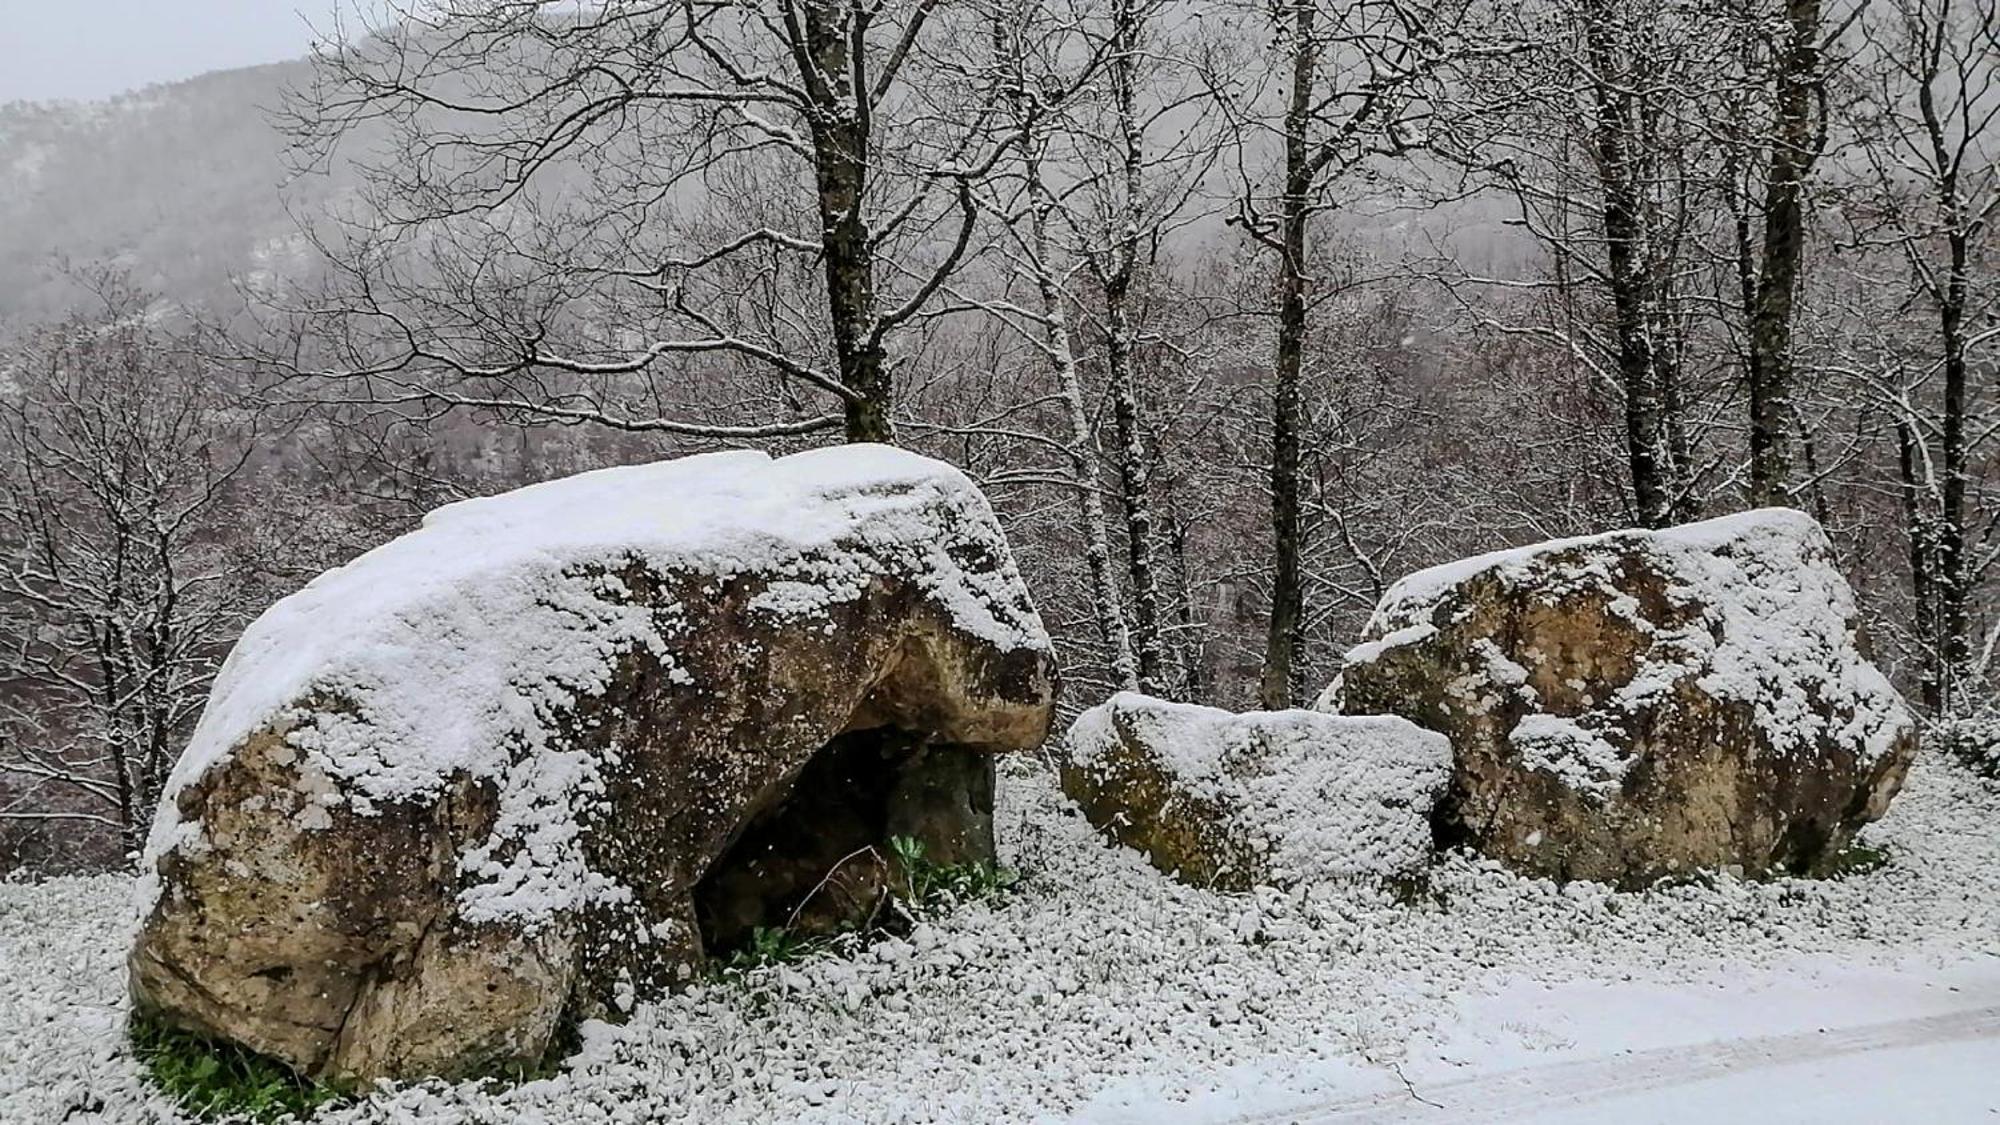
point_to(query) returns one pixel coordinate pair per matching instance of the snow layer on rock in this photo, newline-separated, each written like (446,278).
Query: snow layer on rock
(1578,756)
(1095,977)
(1774,627)
(453,647)
(1328,795)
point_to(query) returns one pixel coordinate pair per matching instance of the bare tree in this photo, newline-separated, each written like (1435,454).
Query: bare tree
(1775,129)
(1600,139)
(586,213)
(117,595)
(1928,127)
(1361,82)
(1045,63)
(1112,241)
(1137,157)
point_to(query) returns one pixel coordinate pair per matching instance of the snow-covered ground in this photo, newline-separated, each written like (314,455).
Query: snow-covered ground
(1100,991)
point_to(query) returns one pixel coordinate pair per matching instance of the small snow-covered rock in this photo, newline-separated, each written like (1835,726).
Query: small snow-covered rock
(534,758)
(1232,800)
(1628,706)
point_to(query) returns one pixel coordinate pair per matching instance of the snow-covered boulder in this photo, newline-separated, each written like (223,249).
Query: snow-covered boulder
(1633,705)
(526,764)
(1232,801)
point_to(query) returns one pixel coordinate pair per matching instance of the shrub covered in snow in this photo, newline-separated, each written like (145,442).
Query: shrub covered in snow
(1974,737)
(1234,800)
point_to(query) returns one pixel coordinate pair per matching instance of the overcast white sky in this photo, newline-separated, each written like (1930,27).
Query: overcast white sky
(97,48)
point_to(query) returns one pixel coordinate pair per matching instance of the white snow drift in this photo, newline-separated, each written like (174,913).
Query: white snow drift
(1103,991)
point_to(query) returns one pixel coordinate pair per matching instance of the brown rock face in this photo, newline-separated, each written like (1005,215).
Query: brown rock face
(1641,704)
(533,762)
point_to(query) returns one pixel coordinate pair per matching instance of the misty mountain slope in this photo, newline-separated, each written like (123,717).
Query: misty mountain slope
(187,186)
(184,184)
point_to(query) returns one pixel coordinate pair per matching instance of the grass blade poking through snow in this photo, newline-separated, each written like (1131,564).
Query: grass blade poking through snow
(217,1080)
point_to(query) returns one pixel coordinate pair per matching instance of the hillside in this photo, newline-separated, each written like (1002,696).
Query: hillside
(185,184)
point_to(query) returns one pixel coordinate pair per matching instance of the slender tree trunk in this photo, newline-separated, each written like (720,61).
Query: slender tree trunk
(1949,577)
(1104,597)
(1120,345)
(1934,502)
(117,742)
(1130,458)
(1815,487)
(1793,150)
(1753,357)
(1953,653)
(841,150)
(1684,505)
(1632,290)
(1918,523)
(1275,691)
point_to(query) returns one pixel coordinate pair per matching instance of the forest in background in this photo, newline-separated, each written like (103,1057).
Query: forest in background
(1238,312)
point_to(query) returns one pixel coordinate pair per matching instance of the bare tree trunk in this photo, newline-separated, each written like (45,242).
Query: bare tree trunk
(1793,151)
(1275,691)
(1105,601)
(1918,524)
(1684,505)
(1632,290)
(1952,651)
(1129,454)
(1130,458)
(841,146)
(1815,486)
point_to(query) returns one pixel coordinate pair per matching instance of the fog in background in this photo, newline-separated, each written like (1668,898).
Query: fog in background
(95,49)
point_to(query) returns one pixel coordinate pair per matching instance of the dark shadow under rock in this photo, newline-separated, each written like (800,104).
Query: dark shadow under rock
(817,860)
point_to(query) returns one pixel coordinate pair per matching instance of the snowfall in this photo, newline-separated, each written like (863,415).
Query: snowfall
(1098,990)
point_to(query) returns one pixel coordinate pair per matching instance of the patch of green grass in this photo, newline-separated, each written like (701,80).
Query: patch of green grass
(921,888)
(1857,858)
(214,1079)
(928,887)
(776,945)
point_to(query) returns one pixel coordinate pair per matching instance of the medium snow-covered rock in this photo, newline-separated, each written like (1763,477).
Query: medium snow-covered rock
(1632,705)
(527,762)
(1233,801)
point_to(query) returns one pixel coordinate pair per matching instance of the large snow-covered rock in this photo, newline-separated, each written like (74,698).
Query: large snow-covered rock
(528,762)
(1232,801)
(1633,705)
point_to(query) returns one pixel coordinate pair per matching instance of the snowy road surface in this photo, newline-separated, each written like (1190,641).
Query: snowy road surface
(1818,1040)
(1935,1068)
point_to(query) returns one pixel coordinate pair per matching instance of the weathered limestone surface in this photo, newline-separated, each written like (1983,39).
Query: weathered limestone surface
(534,760)
(1641,704)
